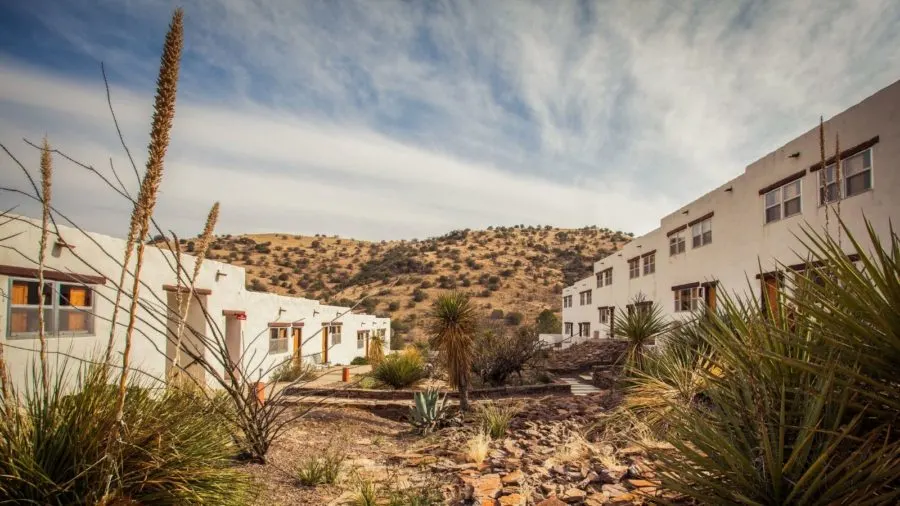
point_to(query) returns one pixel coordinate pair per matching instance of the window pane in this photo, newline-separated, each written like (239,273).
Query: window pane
(26,293)
(772,198)
(696,229)
(707,225)
(25,320)
(854,165)
(681,246)
(707,237)
(773,214)
(859,183)
(76,320)
(78,296)
(792,207)
(792,190)
(697,240)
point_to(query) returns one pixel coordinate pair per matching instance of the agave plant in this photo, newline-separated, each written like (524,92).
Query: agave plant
(800,408)
(429,410)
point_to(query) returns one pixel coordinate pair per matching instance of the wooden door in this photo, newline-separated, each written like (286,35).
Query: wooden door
(18,320)
(77,320)
(770,295)
(324,344)
(710,296)
(367,344)
(297,334)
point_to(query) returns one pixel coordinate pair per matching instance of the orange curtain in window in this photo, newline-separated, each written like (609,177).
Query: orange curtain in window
(77,320)
(18,321)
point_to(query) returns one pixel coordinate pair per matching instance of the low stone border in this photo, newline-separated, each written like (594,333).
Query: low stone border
(394,395)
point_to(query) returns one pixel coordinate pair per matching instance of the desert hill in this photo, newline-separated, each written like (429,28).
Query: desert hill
(517,270)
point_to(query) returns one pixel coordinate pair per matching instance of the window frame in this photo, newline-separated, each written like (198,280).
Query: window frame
(568,329)
(361,339)
(693,299)
(704,240)
(782,202)
(584,329)
(604,277)
(567,301)
(334,331)
(649,261)
(584,298)
(634,268)
(842,186)
(277,342)
(53,309)
(603,316)
(677,243)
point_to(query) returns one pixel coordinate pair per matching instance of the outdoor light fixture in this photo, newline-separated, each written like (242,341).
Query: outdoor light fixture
(795,154)
(685,211)
(728,189)
(220,274)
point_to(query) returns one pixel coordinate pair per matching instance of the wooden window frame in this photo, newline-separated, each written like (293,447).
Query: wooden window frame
(677,243)
(634,267)
(705,239)
(278,339)
(649,261)
(54,309)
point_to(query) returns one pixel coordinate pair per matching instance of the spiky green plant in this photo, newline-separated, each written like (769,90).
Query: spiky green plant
(400,370)
(451,327)
(802,407)
(641,324)
(495,418)
(177,448)
(429,410)
(319,470)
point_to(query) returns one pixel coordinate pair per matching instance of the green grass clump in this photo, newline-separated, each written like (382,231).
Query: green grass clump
(494,418)
(400,370)
(292,371)
(323,470)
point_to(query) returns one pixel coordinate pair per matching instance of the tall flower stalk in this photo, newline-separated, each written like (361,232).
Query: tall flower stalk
(163,115)
(184,305)
(46,177)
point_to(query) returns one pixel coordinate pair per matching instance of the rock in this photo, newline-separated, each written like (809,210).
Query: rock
(613,490)
(514,478)
(574,495)
(548,488)
(486,486)
(591,477)
(512,500)
(626,497)
(596,500)
(552,501)
(345,498)
(642,483)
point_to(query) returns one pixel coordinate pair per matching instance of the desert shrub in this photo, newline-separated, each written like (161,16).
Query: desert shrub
(294,371)
(400,370)
(393,305)
(419,295)
(324,470)
(359,361)
(367,382)
(496,314)
(514,318)
(494,418)
(500,352)
(548,322)
(429,410)
(799,401)
(176,448)
(641,324)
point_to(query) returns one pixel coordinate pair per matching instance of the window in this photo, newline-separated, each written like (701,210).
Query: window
(361,336)
(584,298)
(649,263)
(584,329)
(783,202)
(604,315)
(68,308)
(278,340)
(687,299)
(604,278)
(856,172)
(634,268)
(702,233)
(567,301)
(567,328)
(676,243)
(335,332)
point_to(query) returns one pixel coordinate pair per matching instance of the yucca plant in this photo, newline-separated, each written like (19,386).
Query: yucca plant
(451,327)
(641,324)
(376,350)
(429,410)
(801,406)
(176,448)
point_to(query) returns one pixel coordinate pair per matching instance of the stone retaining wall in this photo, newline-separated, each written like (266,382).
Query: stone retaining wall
(481,393)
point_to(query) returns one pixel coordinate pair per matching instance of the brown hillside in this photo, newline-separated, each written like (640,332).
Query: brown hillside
(512,269)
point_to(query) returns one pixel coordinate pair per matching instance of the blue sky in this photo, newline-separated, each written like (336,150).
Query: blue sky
(383,120)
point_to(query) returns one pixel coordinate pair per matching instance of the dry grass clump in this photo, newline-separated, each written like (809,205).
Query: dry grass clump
(494,417)
(477,447)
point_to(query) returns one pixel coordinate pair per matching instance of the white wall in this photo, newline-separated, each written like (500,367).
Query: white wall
(95,254)
(742,243)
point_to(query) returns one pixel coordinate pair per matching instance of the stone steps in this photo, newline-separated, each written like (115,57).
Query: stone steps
(580,385)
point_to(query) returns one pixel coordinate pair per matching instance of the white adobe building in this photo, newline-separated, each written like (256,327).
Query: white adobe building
(734,237)
(260,329)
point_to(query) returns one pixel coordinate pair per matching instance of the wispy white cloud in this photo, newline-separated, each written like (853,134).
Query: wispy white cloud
(416,117)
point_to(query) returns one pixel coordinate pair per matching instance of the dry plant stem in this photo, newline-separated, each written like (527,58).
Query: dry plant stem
(837,177)
(163,115)
(175,247)
(822,172)
(46,174)
(201,249)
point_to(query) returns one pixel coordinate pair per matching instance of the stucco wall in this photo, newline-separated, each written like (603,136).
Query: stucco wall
(98,255)
(742,243)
